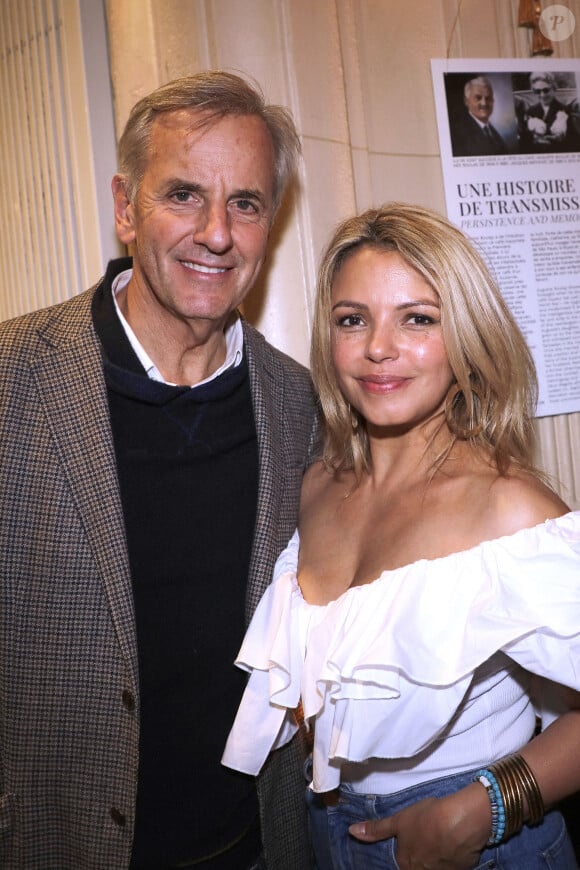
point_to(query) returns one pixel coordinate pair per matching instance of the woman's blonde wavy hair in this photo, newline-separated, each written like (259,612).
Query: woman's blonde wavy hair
(494,394)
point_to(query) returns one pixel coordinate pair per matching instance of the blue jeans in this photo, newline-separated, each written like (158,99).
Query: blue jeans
(543,847)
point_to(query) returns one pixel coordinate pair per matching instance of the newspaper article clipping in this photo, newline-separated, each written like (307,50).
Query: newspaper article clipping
(509,133)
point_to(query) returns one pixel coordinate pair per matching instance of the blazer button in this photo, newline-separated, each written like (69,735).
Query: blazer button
(118,817)
(128,700)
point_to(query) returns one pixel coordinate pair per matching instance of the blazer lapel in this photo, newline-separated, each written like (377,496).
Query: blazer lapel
(73,394)
(268,401)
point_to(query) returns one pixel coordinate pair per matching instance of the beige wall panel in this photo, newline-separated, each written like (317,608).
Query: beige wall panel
(329,187)
(352,65)
(572,466)
(248,36)
(177,56)
(151,43)
(280,301)
(363,181)
(513,41)
(407,178)
(318,69)
(558,454)
(397,41)
(474,32)
(133,51)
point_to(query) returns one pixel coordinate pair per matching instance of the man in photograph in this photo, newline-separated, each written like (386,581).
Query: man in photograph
(472,134)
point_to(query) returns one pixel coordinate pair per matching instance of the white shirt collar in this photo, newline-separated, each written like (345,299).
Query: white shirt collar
(233,334)
(482,126)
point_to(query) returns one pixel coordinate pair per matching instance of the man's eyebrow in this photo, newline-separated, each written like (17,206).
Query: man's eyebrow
(177,183)
(181,184)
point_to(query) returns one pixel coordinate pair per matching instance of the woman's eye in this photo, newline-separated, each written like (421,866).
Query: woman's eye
(350,320)
(420,320)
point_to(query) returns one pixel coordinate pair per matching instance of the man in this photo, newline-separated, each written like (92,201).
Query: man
(472,135)
(151,456)
(546,125)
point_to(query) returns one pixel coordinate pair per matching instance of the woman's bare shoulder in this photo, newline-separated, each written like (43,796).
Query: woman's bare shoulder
(479,504)
(520,500)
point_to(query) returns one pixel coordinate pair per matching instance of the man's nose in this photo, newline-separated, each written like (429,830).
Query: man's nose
(213,229)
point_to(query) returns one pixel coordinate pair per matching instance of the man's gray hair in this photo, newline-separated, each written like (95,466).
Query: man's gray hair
(216,94)
(478,80)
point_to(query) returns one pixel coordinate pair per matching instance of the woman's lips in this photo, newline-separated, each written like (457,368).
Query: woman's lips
(382,383)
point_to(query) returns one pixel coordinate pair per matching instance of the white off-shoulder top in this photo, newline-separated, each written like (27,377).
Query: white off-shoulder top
(419,673)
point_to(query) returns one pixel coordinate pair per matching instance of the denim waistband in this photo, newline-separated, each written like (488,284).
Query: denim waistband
(387,804)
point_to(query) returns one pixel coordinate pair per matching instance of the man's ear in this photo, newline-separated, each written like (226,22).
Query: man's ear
(124,211)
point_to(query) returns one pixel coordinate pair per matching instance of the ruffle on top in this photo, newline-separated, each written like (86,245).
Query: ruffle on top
(384,667)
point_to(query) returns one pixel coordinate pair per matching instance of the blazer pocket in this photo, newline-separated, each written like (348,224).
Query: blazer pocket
(6,811)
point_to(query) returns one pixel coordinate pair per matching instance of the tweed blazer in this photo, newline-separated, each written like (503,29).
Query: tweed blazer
(69,694)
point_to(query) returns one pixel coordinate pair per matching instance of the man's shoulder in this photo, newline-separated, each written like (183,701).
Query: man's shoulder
(61,321)
(464,131)
(464,121)
(263,353)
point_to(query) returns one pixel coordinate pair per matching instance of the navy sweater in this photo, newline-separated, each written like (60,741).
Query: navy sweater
(187,465)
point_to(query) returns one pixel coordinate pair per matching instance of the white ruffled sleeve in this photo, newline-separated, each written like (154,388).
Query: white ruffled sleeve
(273,653)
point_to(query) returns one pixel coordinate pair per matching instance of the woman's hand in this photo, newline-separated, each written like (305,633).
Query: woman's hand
(437,833)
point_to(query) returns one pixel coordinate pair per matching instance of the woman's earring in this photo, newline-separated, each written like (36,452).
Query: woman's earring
(353,418)
(455,396)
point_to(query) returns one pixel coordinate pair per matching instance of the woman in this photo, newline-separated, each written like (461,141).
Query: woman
(428,608)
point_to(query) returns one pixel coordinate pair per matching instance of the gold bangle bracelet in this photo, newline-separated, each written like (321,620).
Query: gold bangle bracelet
(530,794)
(520,793)
(510,787)
(535,801)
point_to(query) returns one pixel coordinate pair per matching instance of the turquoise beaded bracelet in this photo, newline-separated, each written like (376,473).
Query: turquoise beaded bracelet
(498,821)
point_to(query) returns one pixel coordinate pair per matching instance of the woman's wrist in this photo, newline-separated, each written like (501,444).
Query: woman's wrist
(470,816)
(514,796)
